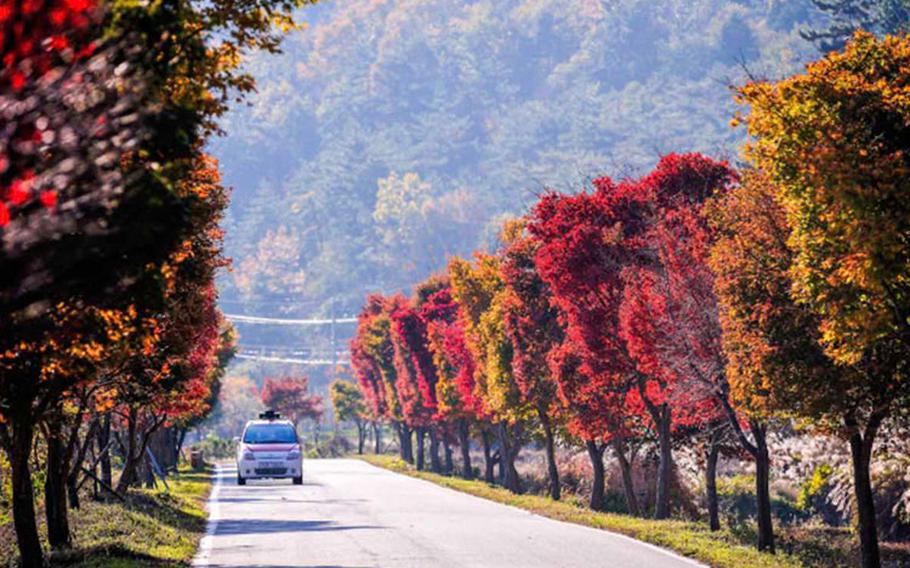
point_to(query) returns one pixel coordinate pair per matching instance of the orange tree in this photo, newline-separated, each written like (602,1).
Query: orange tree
(110,103)
(183,333)
(835,143)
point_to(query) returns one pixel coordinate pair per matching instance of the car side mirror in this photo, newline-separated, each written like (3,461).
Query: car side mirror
(236,439)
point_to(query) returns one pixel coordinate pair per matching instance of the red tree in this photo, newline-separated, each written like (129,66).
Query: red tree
(416,378)
(595,248)
(457,402)
(373,359)
(291,397)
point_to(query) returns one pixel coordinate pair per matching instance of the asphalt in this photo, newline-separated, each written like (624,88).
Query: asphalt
(349,514)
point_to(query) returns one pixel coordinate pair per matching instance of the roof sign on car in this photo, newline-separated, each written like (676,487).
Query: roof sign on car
(269,415)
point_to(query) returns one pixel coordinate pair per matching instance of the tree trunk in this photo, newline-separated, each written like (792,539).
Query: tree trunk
(711,485)
(163,445)
(435,462)
(72,487)
(489,464)
(421,434)
(763,489)
(361,437)
(405,448)
(464,442)
(448,465)
(861,444)
(628,486)
(553,488)
(130,463)
(104,438)
(24,520)
(509,448)
(181,437)
(55,505)
(596,454)
(377,438)
(665,466)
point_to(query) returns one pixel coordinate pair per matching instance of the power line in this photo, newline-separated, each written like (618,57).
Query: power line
(258,320)
(290,360)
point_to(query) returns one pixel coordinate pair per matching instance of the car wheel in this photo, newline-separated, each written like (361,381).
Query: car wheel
(298,480)
(240,480)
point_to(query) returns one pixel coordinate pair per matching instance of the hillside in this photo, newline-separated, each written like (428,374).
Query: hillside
(393,133)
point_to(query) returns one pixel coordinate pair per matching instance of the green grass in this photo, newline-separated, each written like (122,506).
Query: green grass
(152,528)
(721,549)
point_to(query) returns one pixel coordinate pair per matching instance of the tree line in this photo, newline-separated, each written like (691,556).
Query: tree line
(697,304)
(111,341)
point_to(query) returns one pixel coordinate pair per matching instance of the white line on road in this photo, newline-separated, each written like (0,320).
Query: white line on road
(205,545)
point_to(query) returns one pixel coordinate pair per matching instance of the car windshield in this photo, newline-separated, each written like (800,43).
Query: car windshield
(270,434)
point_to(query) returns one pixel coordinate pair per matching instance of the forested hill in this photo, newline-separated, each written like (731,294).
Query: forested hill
(393,133)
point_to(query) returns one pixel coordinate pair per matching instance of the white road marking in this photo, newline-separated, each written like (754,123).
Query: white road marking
(214,509)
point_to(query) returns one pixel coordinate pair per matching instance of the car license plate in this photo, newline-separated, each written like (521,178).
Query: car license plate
(270,465)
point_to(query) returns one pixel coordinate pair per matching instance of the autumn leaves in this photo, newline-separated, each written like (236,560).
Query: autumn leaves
(645,311)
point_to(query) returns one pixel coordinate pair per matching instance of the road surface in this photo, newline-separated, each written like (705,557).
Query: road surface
(349,514)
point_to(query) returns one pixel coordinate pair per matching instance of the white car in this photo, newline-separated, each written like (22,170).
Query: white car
(269,449)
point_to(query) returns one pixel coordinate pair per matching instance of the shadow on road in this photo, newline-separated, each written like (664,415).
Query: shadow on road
(254,499)
(287,566)
(265,526)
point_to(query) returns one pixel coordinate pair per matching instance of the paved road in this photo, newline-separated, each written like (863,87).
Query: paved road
(349,514)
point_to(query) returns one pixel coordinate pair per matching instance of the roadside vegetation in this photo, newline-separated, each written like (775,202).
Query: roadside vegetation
(814,547)
(112,344)
(149,527)
(701,328)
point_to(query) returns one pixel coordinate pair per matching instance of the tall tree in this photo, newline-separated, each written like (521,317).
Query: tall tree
(532,326)
(457,401)
(833,142)
(597,251)
(480,291)
(373,359)
(416,377)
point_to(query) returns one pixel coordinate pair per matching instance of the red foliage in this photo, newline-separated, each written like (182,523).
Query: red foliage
(290,396)
(531,322)
(446,340)
(415,370)
(366,369)
(610,258)
(37,38)
(192,396)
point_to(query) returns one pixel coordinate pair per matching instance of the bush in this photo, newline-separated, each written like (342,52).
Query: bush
(215,447)
(736,496)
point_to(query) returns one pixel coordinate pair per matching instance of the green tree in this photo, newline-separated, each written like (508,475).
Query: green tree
(846,17)
(347,401)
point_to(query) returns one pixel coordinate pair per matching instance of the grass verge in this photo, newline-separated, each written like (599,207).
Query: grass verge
(720,549)
(152,528)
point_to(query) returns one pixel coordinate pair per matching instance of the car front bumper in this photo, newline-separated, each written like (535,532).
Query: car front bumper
(270,469)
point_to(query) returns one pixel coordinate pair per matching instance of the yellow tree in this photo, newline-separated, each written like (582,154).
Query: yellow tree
(480,291)
(835,142)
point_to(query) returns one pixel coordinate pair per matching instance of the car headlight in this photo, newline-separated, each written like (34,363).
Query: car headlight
(248,455)
(294,455)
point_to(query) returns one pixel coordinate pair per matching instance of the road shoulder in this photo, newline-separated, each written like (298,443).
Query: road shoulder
(689,539)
